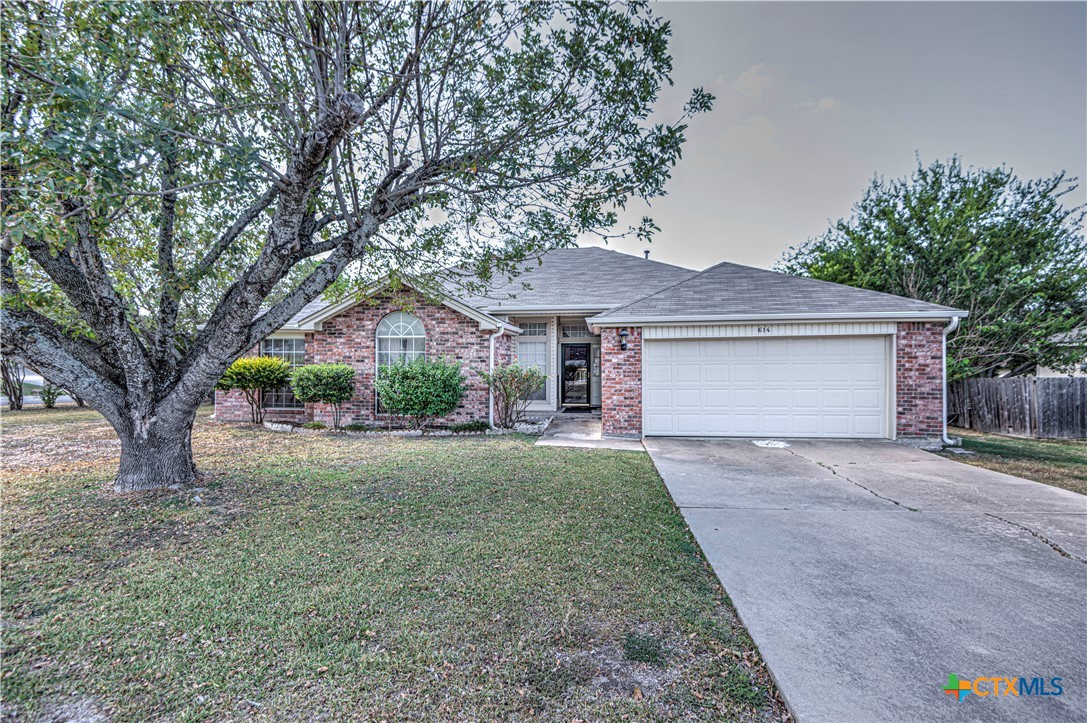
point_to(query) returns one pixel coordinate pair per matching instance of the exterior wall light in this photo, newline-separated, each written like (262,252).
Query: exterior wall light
(623,334)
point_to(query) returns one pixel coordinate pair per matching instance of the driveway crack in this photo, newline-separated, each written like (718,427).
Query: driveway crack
(836,473)
(1057,548)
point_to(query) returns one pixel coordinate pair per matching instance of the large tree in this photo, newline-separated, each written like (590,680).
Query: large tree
(172,162)
(1006,250)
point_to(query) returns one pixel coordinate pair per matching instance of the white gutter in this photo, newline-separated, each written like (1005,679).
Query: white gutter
(947,330)
(603,321)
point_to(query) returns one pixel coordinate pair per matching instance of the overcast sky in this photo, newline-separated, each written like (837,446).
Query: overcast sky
(813,99)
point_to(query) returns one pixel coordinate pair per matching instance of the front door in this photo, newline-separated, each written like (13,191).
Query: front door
(575,375)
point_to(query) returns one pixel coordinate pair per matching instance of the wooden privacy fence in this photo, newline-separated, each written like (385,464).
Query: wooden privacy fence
(1050,407)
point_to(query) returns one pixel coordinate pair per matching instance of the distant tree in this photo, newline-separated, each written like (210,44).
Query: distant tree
(50,394)
(1006,250)
(170,163)
(12,374)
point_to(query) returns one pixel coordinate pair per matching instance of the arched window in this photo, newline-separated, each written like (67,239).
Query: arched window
(400,338)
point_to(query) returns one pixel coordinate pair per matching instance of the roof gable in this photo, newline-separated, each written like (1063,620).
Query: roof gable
(732,291)
(314,314)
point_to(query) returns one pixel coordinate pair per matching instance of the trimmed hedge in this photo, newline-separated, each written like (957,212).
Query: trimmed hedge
(331,384)
(422,389)
(250,374)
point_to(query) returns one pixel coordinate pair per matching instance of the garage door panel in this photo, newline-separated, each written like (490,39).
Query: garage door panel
(803,387)
(868,399)
(716,372)
(715,400)
(658,373)
(837,372)
(714,349)
(868,425)
(688,372)
(805,372)
(774,372)
(867,371)
(688,398)
(745,372)
(716,424)
(776,399)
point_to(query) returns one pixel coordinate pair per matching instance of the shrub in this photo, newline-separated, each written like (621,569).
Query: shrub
(250,374)
(511,385)
(50,394)
(314,425)
(331,384)
(478,425)
(360,427)
(421,389)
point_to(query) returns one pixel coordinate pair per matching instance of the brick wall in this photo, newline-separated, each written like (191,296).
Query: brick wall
(350,338)
(621,383)
(919,379)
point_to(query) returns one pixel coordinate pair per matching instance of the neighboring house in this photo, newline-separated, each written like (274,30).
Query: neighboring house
(657,349)
(1078,339)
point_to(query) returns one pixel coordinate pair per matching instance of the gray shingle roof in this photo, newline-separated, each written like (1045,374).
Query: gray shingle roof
(589,277)
(730,290)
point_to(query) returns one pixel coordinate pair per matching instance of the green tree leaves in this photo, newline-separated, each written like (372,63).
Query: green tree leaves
(1005,249)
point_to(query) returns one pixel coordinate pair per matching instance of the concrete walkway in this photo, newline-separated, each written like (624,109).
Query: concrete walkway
(868,572)
(582,430)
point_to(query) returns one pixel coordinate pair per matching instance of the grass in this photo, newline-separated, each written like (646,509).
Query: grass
(322,576)
(1058,462)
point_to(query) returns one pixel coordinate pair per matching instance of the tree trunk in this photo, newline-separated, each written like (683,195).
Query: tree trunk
(156,452)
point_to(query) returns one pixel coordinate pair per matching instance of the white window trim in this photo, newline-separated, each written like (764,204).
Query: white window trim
(549,338)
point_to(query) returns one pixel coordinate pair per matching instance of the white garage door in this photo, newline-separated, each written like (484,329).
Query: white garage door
(794,387)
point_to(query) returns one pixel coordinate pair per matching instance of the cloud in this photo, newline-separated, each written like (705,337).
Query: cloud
(752,81)
(819,104)
(754,138)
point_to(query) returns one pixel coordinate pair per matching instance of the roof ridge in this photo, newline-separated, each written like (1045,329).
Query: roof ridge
(620,253)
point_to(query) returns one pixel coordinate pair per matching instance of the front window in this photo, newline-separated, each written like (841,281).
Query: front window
(400,338)
(293,351)
(575,331)
(532,351)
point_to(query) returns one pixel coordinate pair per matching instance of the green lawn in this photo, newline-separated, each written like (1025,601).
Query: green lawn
(327,577)
(1057,462)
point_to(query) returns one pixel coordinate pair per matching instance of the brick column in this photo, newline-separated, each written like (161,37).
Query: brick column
(919,380)
(621,383)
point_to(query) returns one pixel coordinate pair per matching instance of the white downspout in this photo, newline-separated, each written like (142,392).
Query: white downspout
(490,393)
(950,327)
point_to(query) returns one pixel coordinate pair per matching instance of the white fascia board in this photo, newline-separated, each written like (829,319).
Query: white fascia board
(608,321)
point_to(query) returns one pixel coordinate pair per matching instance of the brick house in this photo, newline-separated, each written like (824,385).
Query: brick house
(655,349)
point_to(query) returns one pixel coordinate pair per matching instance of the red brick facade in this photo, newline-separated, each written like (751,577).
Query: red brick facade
(621,383)
(919,380)
(351,338)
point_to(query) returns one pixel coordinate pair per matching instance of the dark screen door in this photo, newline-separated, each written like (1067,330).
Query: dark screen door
(575,374)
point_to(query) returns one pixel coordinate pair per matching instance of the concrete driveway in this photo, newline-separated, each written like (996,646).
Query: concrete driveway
(867,572)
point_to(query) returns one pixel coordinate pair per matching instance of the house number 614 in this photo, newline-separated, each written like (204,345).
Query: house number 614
(764,330)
